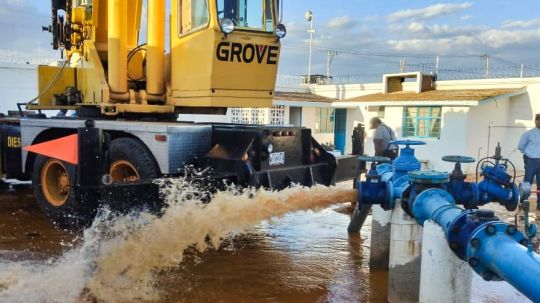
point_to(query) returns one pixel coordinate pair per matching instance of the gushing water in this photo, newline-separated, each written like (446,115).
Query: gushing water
(120,257)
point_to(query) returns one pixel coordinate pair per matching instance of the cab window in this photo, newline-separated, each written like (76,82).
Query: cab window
(257,15)
(193,14)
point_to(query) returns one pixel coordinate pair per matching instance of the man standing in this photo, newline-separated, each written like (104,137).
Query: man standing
(383,135)
(529,145)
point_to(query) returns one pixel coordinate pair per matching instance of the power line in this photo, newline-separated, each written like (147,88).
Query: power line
(379,54)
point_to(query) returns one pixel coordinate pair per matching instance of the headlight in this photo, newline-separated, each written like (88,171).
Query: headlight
(281,31)
(227,25)
(270,148)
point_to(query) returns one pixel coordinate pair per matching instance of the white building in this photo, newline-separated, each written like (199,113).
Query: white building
(466,117)
(18,83)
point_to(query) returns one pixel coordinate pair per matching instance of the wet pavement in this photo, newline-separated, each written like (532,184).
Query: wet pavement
(303,257)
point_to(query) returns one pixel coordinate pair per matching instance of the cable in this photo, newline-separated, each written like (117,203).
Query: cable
(381,54)
(131,55)
(52,83)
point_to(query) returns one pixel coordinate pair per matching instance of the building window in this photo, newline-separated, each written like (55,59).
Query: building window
(422,122)
(277,115)
(381,111)
(254,116)
(324,122)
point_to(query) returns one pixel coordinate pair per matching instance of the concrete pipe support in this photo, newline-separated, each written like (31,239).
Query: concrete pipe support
(495,250)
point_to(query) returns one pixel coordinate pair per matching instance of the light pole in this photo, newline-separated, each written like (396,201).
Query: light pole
(311,31)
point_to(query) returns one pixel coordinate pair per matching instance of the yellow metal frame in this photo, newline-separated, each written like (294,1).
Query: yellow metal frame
(194,74)
(54,80)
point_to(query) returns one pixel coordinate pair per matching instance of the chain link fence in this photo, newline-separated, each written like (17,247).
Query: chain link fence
(28,57)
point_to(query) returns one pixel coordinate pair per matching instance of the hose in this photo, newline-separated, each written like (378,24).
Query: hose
(131,55)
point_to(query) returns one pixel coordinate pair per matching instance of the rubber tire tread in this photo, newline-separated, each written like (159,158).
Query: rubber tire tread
(136,153)
(71,214)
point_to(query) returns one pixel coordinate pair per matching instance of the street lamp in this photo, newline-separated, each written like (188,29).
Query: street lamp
(311,31)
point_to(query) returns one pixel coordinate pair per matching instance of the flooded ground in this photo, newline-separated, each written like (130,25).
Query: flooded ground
(302,257)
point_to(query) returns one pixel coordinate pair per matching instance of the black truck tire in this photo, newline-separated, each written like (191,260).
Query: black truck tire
(53,185)
(131,161)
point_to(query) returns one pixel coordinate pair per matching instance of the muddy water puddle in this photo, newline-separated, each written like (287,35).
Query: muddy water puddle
(304,256)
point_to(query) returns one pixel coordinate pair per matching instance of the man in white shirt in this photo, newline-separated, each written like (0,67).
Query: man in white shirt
(529,145)
(383,135)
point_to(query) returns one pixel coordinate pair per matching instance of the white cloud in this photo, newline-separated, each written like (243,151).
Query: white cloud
(422,30)
(429,12)
(416,27)
(341,22)
(502,38)
(443,46)
(520,23)
(463,42)
(466,17)
(17,3)
(20,26)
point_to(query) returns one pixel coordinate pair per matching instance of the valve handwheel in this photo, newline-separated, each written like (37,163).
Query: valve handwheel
(458,159)
(407,143)
(375,159)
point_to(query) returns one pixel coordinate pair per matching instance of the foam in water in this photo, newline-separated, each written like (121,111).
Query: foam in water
(120,257)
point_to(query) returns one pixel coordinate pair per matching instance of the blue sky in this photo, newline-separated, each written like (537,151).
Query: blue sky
(387,30)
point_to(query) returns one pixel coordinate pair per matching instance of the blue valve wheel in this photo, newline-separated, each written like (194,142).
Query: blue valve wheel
(407,142)
(458,159)
(377,159)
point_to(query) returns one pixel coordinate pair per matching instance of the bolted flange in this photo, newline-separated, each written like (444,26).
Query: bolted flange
(428,177)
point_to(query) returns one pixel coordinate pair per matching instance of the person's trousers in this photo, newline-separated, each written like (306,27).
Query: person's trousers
(532,171)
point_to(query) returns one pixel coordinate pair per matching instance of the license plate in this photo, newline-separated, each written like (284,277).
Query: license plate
(277,158)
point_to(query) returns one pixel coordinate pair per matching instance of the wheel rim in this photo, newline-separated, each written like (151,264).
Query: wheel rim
(123,171)
(55,182)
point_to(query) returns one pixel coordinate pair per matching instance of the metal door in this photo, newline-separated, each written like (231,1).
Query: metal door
(340,129)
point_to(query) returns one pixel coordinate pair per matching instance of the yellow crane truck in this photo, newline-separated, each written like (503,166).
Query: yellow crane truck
(126,96)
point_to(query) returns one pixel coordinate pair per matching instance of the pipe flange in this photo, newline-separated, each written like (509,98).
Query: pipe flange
(458,232)
(428,177)
(513,203)
(389,203)
(477,239)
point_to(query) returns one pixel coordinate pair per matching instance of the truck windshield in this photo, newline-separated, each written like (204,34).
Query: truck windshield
(258,15)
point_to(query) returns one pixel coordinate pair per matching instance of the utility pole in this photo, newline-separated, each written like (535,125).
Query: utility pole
(331,55)
(521,72)
(437,66)
(311,32)
(485,58)
(402,64)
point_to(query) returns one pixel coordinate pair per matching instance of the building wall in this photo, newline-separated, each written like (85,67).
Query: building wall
(451,141)
(309,120)
(465,130)
(18,83)
(347,91)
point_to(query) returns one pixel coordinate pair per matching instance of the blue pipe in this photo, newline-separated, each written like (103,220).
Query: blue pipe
(436,205)
(510,261)
(385,170)
(495,250)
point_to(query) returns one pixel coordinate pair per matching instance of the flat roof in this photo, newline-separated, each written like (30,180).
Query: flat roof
(301,97)
(437,95)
